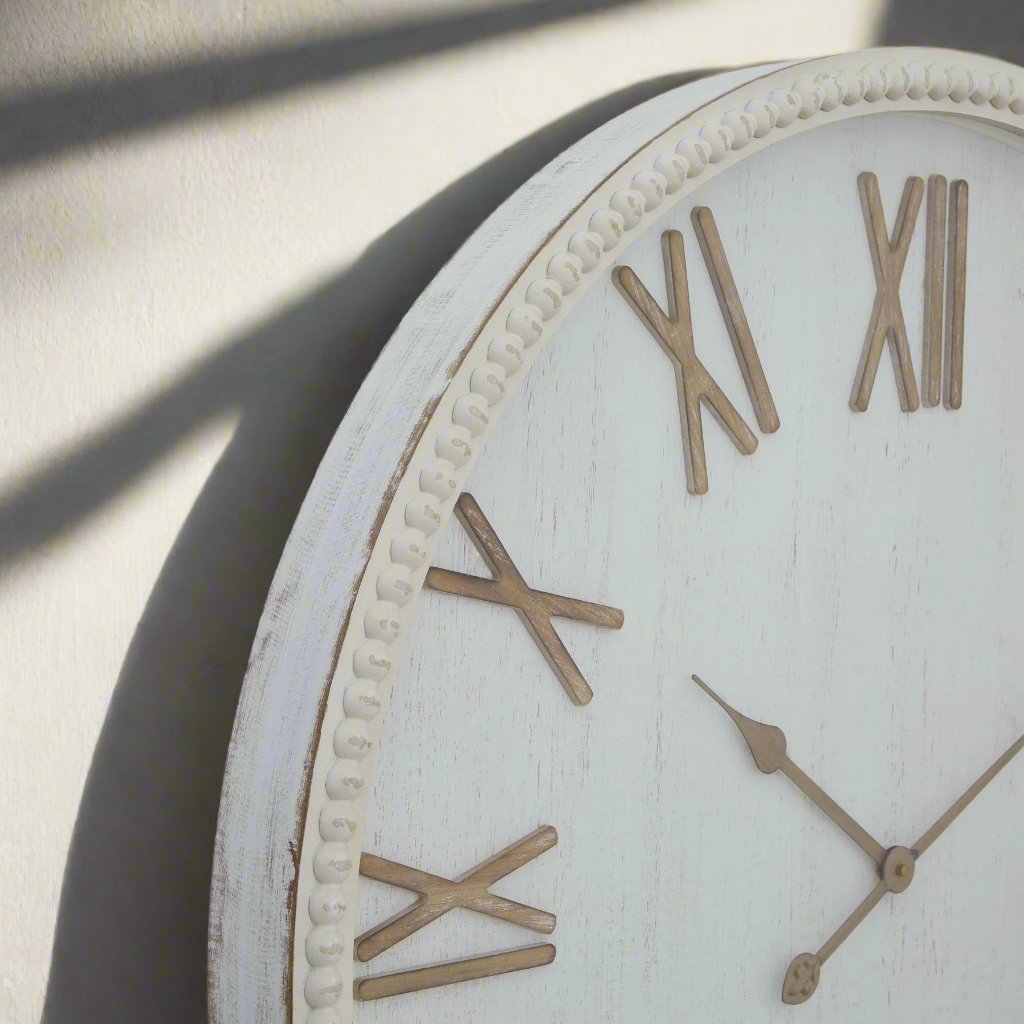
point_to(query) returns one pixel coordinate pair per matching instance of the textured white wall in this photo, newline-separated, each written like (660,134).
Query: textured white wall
(212,214)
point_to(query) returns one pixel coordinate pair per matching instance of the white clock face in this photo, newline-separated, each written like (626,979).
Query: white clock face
(855,581)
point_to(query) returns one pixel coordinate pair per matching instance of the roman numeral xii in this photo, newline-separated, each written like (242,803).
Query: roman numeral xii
(945,288)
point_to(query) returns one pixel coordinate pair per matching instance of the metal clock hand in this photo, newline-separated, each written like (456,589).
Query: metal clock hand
(897,873)
(767,744)
(804,972)
(954,812)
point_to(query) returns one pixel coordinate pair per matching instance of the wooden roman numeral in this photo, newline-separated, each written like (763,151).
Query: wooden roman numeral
(439,896)
(941,297)
(945,343)
(535,607)
(674,331)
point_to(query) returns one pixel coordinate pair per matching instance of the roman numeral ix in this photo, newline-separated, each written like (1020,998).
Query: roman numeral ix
(439,896)
(944,292)
(674,332)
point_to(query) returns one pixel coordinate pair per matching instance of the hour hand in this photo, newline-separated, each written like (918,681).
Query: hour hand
(767,744)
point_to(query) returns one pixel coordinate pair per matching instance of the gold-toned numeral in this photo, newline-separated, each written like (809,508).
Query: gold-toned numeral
(944,292)
(674,331)
(535,607)
(956,296)
(889,257)
(439,896)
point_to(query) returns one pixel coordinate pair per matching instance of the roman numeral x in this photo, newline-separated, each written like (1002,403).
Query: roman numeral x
(535,607)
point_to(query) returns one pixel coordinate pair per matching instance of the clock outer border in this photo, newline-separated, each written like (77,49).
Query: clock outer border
(318,682)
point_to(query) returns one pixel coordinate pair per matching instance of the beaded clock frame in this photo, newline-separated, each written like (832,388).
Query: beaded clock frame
(284,900)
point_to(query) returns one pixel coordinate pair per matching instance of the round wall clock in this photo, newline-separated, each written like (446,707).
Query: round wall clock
(648,645)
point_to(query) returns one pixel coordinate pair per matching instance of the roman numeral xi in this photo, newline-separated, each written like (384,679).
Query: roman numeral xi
(673,330)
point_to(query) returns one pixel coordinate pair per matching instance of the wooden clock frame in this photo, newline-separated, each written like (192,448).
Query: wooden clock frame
(284,903)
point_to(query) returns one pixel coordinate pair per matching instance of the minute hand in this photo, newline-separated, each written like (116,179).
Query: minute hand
(767,744)
(950,816)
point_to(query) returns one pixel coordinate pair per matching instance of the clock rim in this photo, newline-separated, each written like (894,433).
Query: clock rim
(374,470)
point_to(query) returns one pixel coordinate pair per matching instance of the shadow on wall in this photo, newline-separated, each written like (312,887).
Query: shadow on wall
(48,121)
(130,941)
(995,27)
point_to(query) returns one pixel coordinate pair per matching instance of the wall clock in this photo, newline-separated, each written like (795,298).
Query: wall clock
(648,645)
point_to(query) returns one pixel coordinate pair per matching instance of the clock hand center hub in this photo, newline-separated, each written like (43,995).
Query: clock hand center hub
(898,869)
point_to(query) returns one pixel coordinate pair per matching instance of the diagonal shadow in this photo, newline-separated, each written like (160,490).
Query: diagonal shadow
(45,122)
(130,939)
(994,27)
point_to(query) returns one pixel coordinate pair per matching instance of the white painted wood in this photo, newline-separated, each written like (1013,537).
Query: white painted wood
(294,659)
(856,581)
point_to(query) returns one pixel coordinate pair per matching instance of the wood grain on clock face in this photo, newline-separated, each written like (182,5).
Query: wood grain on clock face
(856,581)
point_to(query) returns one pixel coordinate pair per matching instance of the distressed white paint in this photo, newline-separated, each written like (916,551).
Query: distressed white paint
(856,581)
